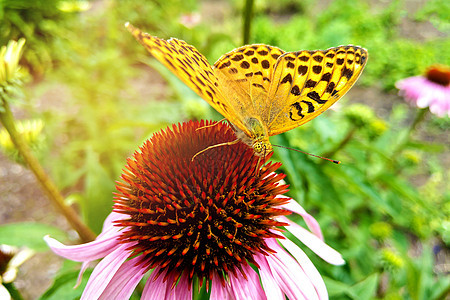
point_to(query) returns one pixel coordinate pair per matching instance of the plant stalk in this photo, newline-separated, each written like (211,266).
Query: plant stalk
(348,137)
(248,15)
(47,184)
(420,116)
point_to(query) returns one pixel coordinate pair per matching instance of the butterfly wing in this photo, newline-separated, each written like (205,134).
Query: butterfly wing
(306,83)
(245,78)
(191,67)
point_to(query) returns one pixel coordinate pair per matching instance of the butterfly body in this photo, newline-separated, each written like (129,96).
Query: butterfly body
(260,89)
(258,138)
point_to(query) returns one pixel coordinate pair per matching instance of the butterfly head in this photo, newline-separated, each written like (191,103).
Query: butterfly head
(262,146)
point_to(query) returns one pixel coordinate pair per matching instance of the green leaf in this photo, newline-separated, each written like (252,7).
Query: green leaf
(366,289)
(29,235)
(335,288)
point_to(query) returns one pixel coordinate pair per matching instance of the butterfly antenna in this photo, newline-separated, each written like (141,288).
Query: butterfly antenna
(215,146)
(325,158)
(211,125)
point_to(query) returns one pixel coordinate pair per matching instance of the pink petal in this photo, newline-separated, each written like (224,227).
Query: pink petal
(104,271)
(312,224)
(247,289)
(307,266)
(182,291)
(99,248)
(272,289)
(219,292)
(289,275)
(314,243)
(155,289)
(125,280)
(83,268)
(108,223)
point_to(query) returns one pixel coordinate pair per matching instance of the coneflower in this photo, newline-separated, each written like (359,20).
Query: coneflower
(431,90)
(217,218)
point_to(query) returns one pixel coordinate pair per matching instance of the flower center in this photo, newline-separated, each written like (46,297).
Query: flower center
(205,217)
(439,74)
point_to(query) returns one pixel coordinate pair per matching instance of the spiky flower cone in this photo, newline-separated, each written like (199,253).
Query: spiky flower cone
(206,216)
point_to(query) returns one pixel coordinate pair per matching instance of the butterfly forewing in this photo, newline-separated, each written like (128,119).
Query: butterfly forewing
(187,64)
(306,83)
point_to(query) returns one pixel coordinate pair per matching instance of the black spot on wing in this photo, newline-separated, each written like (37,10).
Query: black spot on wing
(295,90)
(238,57)
(315,96)
(287,78)
(310,83)
(318,58)
(263,52)
(346,72)
(330,87)
(326,77)
(304,58)
(245,65)
(311,108)
(297,107)
(259,86)
(289,58)
(317,69)
(302,70)
(225,65)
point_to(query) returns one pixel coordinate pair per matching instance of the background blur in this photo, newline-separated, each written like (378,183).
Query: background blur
(93,95)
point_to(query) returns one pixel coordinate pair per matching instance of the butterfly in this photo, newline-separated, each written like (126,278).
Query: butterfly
(262,90)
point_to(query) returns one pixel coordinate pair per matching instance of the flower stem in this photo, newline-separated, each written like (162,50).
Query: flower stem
(248,14)
(420,116)
(7,119)
(348,137)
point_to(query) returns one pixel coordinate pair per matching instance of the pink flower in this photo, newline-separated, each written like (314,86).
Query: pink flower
(190,20)
(431,90)
(216,218)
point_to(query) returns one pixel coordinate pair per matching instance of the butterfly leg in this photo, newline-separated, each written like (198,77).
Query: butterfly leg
(212,125)
(215,146)
(258,166)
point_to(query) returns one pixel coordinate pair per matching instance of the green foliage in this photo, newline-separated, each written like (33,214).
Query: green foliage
(29,234)
(39,22)
(63,286)
(391,56)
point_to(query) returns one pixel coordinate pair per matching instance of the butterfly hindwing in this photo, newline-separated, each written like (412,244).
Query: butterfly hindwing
(245,77)
(306,83)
